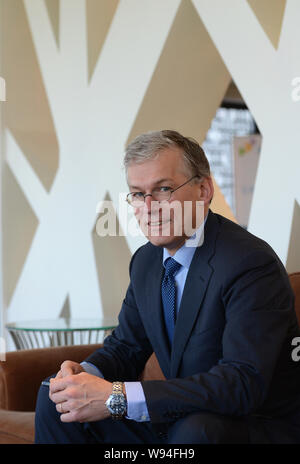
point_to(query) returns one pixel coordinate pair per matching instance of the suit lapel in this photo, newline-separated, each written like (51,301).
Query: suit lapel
(153,316)
(194,290)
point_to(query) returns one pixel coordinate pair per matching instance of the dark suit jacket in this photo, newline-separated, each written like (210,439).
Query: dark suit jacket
(232,346)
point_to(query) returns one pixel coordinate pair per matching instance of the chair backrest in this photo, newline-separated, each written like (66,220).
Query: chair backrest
(295,283)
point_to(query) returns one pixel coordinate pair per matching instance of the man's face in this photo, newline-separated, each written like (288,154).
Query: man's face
(164,223)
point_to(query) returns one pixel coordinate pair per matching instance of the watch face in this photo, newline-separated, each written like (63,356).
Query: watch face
(116,404)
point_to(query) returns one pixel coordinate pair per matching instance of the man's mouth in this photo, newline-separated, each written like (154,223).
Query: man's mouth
(157,223)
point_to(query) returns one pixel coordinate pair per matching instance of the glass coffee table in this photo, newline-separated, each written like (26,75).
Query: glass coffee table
(58,332)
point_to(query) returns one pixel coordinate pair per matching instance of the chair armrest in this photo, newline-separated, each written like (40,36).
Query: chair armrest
(152,370)
(23,371)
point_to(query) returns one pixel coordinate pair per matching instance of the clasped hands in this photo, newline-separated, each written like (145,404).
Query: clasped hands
(79,396)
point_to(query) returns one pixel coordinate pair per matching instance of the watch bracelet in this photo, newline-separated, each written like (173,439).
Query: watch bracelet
(117,388)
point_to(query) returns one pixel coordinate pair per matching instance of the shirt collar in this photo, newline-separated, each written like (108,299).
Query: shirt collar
(185,253)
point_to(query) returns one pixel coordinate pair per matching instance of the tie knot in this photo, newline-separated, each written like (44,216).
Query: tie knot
(171,266)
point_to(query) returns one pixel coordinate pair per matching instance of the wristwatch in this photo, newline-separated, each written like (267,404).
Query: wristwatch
(116,402)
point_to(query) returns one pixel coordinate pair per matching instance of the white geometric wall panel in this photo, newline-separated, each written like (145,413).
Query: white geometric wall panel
(61,257)
(94,113)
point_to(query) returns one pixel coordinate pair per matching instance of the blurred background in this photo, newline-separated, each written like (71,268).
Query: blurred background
(83,77)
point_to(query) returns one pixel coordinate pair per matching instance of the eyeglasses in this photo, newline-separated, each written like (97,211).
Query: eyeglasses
(136,199)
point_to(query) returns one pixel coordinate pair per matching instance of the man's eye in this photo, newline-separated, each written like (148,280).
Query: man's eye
(164,189)
(137,195)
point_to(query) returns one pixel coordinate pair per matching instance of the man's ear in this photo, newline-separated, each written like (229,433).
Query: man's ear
(206,190)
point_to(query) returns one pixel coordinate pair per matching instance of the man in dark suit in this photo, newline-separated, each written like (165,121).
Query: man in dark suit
(215,305)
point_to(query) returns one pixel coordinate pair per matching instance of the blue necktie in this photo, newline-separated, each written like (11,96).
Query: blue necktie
(168,293)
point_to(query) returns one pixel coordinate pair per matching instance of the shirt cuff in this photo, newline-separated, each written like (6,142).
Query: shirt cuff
(91,369)
(136,402)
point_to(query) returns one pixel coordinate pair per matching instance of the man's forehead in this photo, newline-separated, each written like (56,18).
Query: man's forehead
(153,182)
(164,167)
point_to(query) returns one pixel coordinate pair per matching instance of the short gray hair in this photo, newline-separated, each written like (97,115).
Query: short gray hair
(147,146)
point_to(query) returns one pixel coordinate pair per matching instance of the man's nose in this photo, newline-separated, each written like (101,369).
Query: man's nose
(148,200)
(152,206)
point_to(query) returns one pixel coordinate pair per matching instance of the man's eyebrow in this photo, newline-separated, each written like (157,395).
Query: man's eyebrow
(157,182)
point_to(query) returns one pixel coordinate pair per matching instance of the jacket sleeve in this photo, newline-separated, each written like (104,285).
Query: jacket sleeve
(126,351)
(258,306)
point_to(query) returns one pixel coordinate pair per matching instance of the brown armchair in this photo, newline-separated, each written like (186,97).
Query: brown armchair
(23,371)
(20,377)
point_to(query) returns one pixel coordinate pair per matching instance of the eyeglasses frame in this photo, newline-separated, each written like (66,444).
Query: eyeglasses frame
(171,191)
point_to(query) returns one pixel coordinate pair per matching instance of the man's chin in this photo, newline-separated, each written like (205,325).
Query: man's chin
(166,242)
